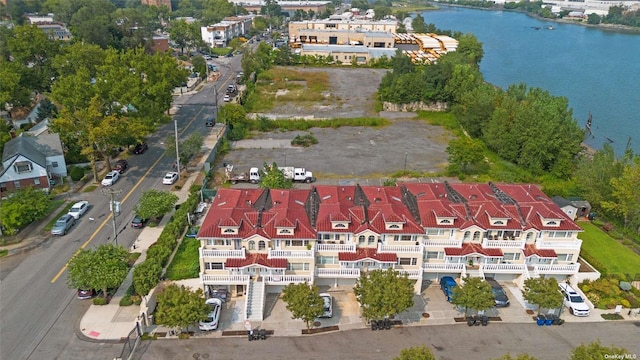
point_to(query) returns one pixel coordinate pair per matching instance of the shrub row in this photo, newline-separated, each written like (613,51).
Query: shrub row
(147,275)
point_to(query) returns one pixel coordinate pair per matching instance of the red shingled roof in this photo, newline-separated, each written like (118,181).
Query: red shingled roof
(367,253)
(256,259)
(470,248)
(531,250)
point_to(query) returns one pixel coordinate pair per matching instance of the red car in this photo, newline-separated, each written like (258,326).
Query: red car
(121,166)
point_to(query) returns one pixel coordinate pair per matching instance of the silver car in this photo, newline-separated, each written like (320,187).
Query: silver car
(62,226)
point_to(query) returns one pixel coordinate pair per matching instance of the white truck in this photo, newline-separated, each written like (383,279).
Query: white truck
(297,174)
(253,176)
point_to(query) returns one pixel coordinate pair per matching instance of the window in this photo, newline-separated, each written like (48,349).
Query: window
(372,239)
(16,184)
(54,164)
(406,238)
(467,235)
(229,231)
(336,236)
(297,266)
(476,236)
(296,242)
(327,260)
(511,256)
(284,231)
(394,226)
(213,266)
(262,245)
(565,257)
(435,231)
(339,225)
(407,261)
(22,167)
(530,236)
(560,234)
(361,239)
(434,255)
(36,181)
(252,245)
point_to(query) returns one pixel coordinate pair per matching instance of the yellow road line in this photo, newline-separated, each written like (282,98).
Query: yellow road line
(95,233)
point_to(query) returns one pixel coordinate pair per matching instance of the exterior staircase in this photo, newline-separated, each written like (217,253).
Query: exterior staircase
(254,306)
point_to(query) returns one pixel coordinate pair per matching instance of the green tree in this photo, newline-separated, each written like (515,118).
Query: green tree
(273,178)
(596,351)
(419,25)
(188,148)
(625,200)
(182,34)
(473,293)
(464,152)
(542,292)
(594,175)
(155,203)
(235,117)
(416,353)
(146,277)
(593,19)
(303,301)
(22,208)
(199,66)
(471,48)
(102,268)
(179,307)
(383,293)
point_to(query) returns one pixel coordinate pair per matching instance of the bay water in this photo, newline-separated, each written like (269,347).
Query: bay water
(597,70)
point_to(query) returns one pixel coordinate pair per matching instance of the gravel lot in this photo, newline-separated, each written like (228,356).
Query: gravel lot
(349,153)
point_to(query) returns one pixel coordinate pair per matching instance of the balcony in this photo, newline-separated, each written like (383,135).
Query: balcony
(208,279)
(290,254)
(338,273)
(573,244)
(504,268)
(228,253)
(443,242)
(503,244)
(415,249)
(567,269)
(336,247)
(287,279)
(442,267)
(413,274)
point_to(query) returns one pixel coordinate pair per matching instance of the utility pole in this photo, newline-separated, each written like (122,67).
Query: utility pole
(175,125)
(112,205)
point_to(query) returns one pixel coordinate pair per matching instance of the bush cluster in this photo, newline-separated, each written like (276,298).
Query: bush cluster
(76,173)
(304,141)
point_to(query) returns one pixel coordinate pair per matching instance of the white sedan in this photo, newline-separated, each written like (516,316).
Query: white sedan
(213,318)
(78,209)
(226,98)
(110,178)
(170,178)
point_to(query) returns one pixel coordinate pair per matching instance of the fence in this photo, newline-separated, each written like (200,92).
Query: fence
(131,342)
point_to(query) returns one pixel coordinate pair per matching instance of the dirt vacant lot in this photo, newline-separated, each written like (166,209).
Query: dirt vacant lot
(349,153)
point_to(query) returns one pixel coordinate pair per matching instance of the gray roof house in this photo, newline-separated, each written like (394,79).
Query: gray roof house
(31,161)
(574,207)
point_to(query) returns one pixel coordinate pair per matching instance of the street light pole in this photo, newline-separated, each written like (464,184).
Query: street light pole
(405,160)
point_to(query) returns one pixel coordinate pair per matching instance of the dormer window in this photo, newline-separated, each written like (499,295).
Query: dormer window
(338,225)
(22,167)
(229,230)
(551,223)
(284,231)
(498,221)
(394,226)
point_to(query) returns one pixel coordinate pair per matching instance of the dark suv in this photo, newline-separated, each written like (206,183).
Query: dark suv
(501,299)
(140,148)
(210,122)
(121,166)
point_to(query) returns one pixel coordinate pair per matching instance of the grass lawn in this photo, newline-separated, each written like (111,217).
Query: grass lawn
(185,264)
(613,255)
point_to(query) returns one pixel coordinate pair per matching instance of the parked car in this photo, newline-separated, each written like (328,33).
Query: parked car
(574,301)
(78,209)
(110,178)
(500,297)
(120,166)
(327,305)
(138,222)
(62,225)
(447,284)
(221,294)
(140,148)
(226,98)
(86,294)
(170,178)
(210,122)
(213,318)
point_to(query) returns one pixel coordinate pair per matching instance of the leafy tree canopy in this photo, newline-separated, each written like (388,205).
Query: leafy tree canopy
(155,203)
(543,292)
(303,301)
(416,353)
(594,350)
(179,307)
(273,178)
(22,208)
(473,293)
(102,268)
(383,293)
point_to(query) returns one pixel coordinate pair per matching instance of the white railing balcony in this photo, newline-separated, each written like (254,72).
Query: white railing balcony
(456,243)
(290,254)
(414,249)
(287,279)
(209,279)
(338,273)
(573,244)
(439,267)
(225,253)
(502,244)
(413,274)
(336,247)
(504,268)
(568,269)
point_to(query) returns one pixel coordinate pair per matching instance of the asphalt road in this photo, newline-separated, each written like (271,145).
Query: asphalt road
(38,311)
(447,342)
